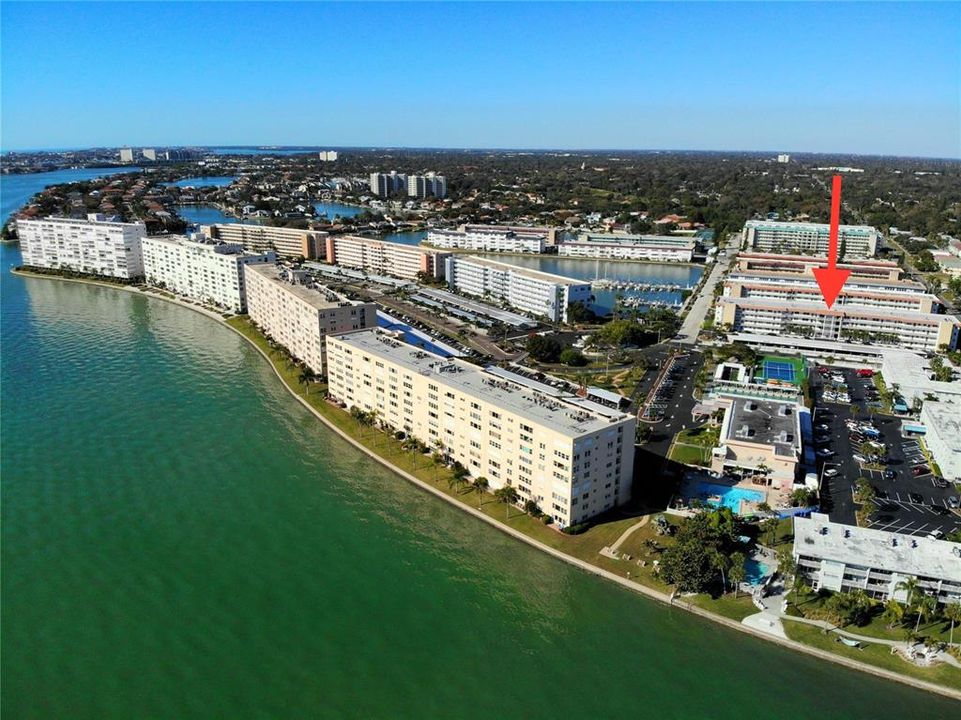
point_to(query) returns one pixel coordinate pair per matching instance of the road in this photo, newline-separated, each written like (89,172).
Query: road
(701,305)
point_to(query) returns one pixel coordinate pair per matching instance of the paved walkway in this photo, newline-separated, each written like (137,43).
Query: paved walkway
(612,550)
(771,621)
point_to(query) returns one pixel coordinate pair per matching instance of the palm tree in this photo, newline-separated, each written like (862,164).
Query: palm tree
(507,495)
(953,613)
(893,613)
(926,606)
(480,486)
(738,571)
(304,379)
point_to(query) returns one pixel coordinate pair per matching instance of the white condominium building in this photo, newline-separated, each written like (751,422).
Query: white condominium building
(843,558)
(548,233)
(94,246)
(893,295)
(841,323)
(942,422)
(206,270)
(803,264)
(621,246)
(487,240)
(298,313)
(531,291)
(573,456)
(854,241)
(286,242)
(379,257)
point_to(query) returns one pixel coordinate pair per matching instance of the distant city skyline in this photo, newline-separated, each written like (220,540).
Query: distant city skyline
(869,79)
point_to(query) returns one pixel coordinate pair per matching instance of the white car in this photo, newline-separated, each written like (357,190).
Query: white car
(824,452)
(859,458)
(830,472)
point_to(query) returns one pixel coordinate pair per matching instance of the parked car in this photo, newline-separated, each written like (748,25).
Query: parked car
(953,502)
(831,472)
(865,372)
(936,534)
(915,498)
(890,475)
(824,452)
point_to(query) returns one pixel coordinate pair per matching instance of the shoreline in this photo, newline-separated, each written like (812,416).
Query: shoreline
(518,535)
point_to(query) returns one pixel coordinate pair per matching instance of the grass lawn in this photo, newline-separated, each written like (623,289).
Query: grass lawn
(877,655)
(726,605)
(693,446)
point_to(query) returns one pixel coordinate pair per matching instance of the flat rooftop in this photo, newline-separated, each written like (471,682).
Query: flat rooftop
(397,247)
(765,422)
(906,554)
(527,398)
(301,286)
(773,277)
(537,230)
(816,260)
(516,270)
(479,308)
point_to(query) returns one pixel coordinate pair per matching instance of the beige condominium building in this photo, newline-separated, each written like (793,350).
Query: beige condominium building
(379,257)
(854,241)
(842,323)
(760,438)
(571,455)
(843,558)
(286,242)
(205,270)
(487,239)
(94,246)
(901,295)
(539,293)
(621,246)
(803,264)
(298,313)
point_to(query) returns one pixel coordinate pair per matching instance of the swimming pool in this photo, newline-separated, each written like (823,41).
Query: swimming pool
(727,496)
(755,571)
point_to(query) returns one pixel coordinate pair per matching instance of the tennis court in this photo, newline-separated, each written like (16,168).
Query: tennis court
(785,370)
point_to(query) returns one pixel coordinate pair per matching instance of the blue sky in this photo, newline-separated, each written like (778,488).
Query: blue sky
(862,78)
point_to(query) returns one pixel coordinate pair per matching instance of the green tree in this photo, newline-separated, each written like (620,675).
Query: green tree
(573,357)
(544,348)
(738,570)
(507,495)
(480,486)
(952,612)
(893,613)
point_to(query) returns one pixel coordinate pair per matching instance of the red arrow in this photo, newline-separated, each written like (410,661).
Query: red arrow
(831,279)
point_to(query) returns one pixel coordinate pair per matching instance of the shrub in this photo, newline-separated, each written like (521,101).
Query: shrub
(577,529)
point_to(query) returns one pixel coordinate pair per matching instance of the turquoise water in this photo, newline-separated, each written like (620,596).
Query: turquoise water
(210,181)
(731,497)
(335,209)
(755,571)
(182,540)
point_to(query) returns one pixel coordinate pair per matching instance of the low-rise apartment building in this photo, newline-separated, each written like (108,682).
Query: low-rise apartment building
(803,264)
(205,270)
(379,257)
(487,239)
(571,455)
(621,246)
(760,438)
(94,246)
(843,558)
(545,231)
(298,313)
(286,242)
(855,323)
(942,436)
(531,291)
(854,241)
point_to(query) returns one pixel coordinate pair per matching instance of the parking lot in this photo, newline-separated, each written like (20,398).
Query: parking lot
(908,497)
